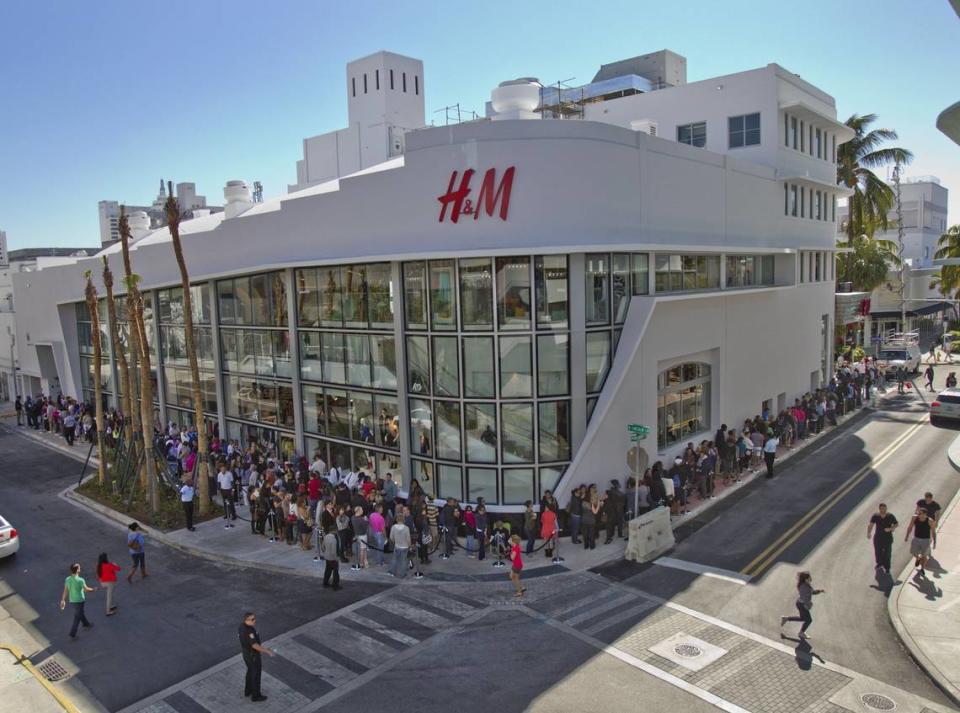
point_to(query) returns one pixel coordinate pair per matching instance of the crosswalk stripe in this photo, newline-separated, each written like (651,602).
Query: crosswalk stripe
(596,611)
(408,611)
(581,601)
(222,691)
(440,600)
(318,664)
(618,617)
(350,643)
(397,636)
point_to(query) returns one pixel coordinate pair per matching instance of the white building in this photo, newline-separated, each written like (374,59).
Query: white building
(488,311)
(109,211)
(384,102)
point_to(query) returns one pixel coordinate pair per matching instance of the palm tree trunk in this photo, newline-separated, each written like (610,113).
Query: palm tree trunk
(91,294)
(173,223)
(127,433)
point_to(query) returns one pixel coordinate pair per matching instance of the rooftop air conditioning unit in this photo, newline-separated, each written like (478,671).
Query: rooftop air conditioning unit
(645,125)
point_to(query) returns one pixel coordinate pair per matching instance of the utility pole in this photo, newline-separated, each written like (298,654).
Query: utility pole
(903,304)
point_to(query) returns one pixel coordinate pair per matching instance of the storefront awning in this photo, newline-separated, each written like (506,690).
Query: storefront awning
(927,309)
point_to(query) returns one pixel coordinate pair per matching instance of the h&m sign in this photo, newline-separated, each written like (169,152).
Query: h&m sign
(493,198)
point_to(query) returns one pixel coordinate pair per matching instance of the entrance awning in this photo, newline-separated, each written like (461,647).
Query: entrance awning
(928,309)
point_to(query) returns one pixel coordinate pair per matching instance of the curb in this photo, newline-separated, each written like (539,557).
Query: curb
(893,604)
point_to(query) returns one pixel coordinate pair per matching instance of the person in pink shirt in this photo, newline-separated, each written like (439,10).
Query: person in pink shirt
(516,565)
(377,533)
(190,461)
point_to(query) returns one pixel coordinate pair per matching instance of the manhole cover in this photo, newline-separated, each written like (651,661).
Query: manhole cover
(878,702)
(687,650)
(53,671)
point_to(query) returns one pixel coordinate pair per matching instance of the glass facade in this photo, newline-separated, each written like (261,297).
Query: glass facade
(457,372)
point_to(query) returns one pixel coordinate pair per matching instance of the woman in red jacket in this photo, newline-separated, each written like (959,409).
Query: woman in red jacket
(548,530)
(107,574)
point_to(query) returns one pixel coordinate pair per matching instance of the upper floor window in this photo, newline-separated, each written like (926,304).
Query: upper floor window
(744,130)
(693,134)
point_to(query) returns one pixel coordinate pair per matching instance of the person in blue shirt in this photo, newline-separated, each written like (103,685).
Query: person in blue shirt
(135,544)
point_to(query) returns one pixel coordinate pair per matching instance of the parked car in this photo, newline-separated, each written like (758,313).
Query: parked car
(946,407)
(890,357)
(9,539)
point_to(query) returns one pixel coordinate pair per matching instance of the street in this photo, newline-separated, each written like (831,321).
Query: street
(577,638)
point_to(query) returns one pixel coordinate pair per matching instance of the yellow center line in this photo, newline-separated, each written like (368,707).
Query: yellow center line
(803,524)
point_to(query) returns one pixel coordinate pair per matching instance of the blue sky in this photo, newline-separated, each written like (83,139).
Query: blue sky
(102,99)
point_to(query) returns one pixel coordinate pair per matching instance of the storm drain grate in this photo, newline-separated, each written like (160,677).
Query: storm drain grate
(688,651)
(878,702)
(53,671)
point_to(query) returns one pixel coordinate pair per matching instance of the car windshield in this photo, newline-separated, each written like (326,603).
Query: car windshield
(893,354)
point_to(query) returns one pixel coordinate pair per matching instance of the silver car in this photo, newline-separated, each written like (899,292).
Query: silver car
(946,407)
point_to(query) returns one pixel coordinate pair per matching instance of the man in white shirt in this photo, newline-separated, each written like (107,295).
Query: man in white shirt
(400,537)
(318,466)
(186,500)
(351,479)
(770,451)
(333,476)
(225,484)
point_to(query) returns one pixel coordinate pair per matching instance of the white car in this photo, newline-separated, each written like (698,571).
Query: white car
(9,539)
(946,407)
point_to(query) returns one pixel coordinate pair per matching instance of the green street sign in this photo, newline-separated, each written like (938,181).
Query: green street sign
(637,428)
(635,437)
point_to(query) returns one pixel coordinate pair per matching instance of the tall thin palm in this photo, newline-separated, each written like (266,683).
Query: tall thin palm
(872,199)
(948,246)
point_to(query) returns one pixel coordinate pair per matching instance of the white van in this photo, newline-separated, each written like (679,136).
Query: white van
(895,354)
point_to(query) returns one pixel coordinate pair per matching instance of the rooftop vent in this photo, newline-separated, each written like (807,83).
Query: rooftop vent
(647,126)
(139,223)
(237,198)
(516,99)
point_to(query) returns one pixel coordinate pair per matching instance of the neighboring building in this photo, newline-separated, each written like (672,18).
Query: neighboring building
(191,205)
(923,203)
(384,102)
(17,261)
(489,310)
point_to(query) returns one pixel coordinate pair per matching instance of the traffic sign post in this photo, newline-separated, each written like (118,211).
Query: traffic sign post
(637,433)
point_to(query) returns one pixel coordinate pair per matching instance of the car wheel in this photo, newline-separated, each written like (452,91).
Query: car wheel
(934,421)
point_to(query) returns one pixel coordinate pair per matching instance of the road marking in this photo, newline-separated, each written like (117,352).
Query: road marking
(766,558)
(594,612)
(706,570)
(619,617)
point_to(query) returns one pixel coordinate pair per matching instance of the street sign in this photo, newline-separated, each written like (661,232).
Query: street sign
(634,437)
(637,428)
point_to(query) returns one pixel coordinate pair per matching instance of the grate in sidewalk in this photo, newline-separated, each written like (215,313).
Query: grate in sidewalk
(53,671)
(878,702)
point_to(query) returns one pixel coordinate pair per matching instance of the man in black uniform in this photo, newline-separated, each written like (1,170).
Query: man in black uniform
(614,506)
(881,527)
(251,648)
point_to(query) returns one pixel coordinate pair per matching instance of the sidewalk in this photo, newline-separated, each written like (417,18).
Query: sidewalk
(238,546)
(925,612)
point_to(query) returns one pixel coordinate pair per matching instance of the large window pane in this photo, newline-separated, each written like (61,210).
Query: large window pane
(515,372)
(354,295)
(415,294)
(620,286)
(308,298)
(517,486)
(553,364)
(281,354)
(446,375)
(598,359)
(334,358)
(476,293)
(310,356)
(418,365)
(278,299)
(267,391)
(447,415)
(263,351)
(314,414)
(331,298)
(380,296)
(338,413)
(358,359)
(478,372)
(481,483)
(285,405)
(228,302)
(554,430)
(421,428)
(383,351)
(480,432)
(597,288)
(641,273)
(449,483)
(550,275)
(362,426)
(513,292)
(388,423)
(662,273)
(260,299)
(443,308)
(550,478)
(516,429)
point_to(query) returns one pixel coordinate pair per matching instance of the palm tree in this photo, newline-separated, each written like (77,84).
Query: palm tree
(872,199)
(138,328)
(118,350)
(92,306)
(948,281)
(867,266)
(173,224)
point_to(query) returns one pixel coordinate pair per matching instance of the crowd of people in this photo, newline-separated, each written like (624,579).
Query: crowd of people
(74,420)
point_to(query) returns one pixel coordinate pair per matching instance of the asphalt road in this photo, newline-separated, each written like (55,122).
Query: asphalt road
(851,625)
(181,619)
